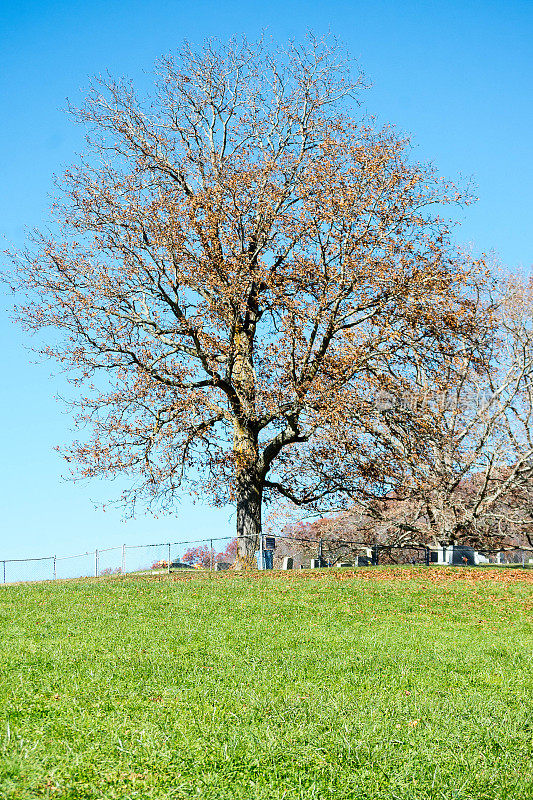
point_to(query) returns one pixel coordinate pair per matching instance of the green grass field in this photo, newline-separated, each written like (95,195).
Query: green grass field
(395,683)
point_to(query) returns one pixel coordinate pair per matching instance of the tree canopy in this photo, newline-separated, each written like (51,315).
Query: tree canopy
(243,265)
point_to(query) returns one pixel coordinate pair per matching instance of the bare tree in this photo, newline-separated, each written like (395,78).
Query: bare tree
(473,483)
(241,268)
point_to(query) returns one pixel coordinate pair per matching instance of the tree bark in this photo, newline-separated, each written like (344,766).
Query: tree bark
(249,501)
(249,481)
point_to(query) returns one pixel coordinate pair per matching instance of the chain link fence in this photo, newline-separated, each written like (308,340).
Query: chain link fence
(121,560)
(289,552)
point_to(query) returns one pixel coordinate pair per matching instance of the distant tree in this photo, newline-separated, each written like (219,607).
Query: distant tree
(476,477)
(206,556)
(161,564)
(201,555)
(242,267)
(230,552)
(472,482)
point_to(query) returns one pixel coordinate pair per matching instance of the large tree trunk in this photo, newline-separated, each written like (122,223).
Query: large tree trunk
(249,500)
(248,481)
(249,495)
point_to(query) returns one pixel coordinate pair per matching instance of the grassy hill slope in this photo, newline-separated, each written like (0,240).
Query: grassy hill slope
(393,683)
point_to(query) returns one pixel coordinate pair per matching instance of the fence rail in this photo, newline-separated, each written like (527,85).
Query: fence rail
(315,552)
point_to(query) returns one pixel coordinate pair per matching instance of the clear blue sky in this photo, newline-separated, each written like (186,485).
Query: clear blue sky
(456,75)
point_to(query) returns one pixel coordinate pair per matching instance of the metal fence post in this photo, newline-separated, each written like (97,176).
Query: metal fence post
(211,554)
(320,552)
(123,559)
(4,563)
(168,563)
(55,571)
(96,563)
